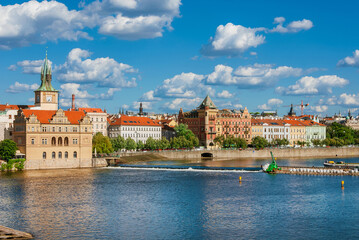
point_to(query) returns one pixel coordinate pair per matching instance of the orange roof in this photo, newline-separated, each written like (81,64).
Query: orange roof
(296,122)
(4,107)
(92,110)
(273,122)
(134,121)
(44,116)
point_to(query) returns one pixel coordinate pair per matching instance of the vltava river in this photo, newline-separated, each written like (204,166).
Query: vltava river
(117,203)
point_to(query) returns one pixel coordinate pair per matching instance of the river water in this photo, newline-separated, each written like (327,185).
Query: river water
(155,203)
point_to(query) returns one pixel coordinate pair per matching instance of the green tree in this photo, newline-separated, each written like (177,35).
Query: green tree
(118,143)
(130,144)
(140,145)
(163,143)
(7,149)
(101,143)
(219,140)
(182,130)
(259,142)
(241,143)
(151,144)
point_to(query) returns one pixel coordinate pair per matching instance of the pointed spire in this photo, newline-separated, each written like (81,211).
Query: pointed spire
(207,102)
(46,76)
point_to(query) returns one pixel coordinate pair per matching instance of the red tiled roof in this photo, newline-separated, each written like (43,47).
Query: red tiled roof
(134,121)
(93,110)
(274,122)
(44,116)
(4,107)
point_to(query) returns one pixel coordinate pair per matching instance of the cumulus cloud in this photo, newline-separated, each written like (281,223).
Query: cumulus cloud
(39,22)
(29,66)
(232,40)
(22,87)
(145,105)
(106,72)
(224,94)
(149,96)
(184,85)
(66,102)
(68,89)
(349,99)
(312,86)
(273,102)
(36,22)
(319,108)
(250,76)
(178,103)
(292,27)
(350,61)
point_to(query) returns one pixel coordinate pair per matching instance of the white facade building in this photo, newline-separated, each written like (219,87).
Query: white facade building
(98,119)
(137,128)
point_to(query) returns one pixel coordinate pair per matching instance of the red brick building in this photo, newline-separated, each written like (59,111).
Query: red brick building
(207,122)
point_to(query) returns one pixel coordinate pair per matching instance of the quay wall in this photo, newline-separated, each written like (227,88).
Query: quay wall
(255,154)
(35,164)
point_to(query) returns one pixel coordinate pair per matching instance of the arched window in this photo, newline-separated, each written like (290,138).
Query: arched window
(44,155)
(66,141)
(66,155)
(75,154)
(60,155)
(53,141)
(53,155)
(59,141)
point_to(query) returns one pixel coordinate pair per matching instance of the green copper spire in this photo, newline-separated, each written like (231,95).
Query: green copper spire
(46,76)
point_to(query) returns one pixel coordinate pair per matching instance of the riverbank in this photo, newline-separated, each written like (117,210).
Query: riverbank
(285,153)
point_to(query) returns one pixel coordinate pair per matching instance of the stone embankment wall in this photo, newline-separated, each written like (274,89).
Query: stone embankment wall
(265,153)
(64,163)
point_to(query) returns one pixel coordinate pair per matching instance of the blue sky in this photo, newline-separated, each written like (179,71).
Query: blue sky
(169,53)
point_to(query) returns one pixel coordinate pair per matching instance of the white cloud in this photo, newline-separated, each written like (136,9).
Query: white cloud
(312,86)
(273,102)
(125,106)
(36,22)
(106,72)
(66,102)
(184,85)
(350,61)
(319,108)
(292,27)
(224,94)
(145,105)
(238,106)
(74,88)
(29,66)
(257,75)
(39,22)
(149,96)
(232,40)
(22,87)
(178,103)
(134,28)
(349,99)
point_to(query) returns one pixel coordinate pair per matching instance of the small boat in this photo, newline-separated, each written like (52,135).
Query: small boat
(340,164)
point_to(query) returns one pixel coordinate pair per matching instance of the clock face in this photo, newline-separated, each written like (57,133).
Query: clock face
(49,98)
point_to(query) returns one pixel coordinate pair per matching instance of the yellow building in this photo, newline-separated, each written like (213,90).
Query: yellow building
(297,131)
(52,137)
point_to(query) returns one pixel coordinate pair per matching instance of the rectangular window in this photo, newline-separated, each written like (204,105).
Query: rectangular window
(59,129)
(32,141)
(44,129)
(53,129)
(32,129)
(85,129)
(74,141)
(74,129)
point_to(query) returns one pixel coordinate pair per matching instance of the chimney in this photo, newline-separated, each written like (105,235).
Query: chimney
(73,101)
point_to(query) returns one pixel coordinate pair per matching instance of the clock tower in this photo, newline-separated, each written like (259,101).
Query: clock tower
(46,97)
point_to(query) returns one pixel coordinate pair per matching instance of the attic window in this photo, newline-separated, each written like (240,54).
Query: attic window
(125,121)
(130,121)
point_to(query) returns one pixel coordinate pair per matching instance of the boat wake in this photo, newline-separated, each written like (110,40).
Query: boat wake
(186,168)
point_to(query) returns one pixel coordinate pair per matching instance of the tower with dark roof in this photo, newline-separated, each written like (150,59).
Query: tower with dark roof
(46,97)
(141,110)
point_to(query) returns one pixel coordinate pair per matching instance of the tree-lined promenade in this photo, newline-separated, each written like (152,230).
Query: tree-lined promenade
(337,135)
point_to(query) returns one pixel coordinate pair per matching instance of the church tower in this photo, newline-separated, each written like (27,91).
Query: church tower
(46,97)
